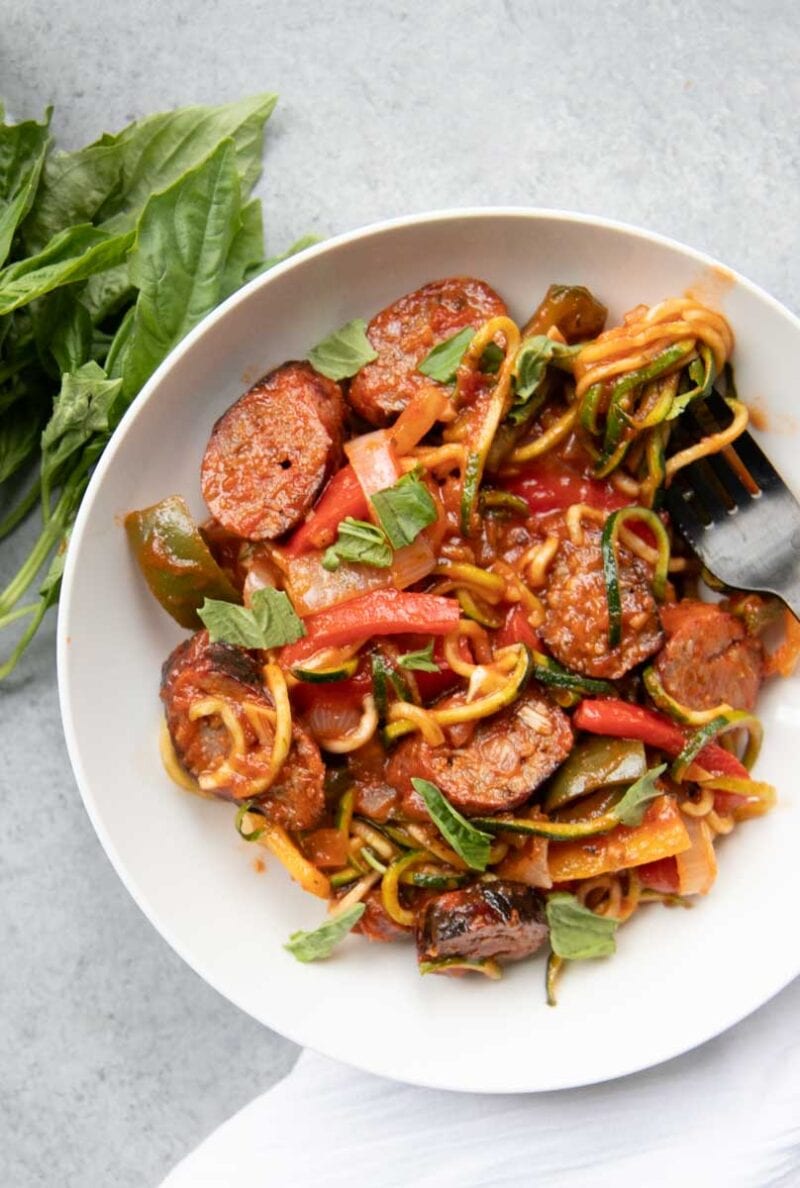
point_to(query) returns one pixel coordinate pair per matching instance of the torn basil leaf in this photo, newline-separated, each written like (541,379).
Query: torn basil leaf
(631,808)
(443,361)
(471,844)
(359,543)
(421,661)
(404,510)
(576,933)
(342,354)
(269,622)
(320,943)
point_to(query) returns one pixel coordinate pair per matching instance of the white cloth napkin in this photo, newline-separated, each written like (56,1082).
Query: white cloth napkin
(726,1115)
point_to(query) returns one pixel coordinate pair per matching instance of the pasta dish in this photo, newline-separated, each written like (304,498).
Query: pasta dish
(449,663)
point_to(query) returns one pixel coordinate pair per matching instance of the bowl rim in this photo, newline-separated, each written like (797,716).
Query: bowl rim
(670,1050)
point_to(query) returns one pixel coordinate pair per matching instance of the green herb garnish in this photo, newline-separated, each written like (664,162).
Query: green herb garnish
(269,622)
(532,361)
(576,932)
(109,255)
(471,844)
(420,661)
(404,510)
(631,809)
(320,943)
(359,543)
(443,361)
(343,353)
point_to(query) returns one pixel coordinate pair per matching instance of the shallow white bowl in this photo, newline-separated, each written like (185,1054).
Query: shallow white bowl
(678,977)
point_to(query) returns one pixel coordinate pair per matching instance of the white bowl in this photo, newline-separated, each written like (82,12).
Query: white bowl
(679,977)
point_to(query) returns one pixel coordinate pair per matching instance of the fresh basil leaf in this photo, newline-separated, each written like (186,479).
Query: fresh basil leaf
(247,249)
(178,262)
(360,543)
(111,180)
(87,406)
(443,361)
(313,946)
(63,329)
(19,436)
(269,622)
(577,933)
(72,256)
(471,844)
(421,661)
(532,361)
(120,344)
(343,353)
(631,809)
(404,509)
(23,148)
(491,358)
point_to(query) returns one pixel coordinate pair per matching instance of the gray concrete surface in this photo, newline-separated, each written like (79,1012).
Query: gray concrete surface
(115,1059)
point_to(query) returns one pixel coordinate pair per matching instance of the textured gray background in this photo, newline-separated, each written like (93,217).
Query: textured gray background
(682,117)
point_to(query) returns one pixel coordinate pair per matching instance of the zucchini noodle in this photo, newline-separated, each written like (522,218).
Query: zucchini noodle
(714,443)
(535,562)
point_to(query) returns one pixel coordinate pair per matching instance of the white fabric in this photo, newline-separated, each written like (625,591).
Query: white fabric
(725,1115)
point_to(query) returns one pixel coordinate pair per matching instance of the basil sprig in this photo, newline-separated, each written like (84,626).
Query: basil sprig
(404,510)
(576,932)
(320,942)
(631,809)
(443,361)
(420,661)
(471,844)
(269,622)
(532,361)
(342,354)
(360,543)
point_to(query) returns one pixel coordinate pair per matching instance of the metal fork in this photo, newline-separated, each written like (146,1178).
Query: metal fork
(746,533)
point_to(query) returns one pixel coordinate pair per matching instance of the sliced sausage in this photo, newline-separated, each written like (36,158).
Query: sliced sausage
(270,453)
(376,924)
(507,758)
(498,919)
(709,657)
(404,333)
(575,629)
(199,670)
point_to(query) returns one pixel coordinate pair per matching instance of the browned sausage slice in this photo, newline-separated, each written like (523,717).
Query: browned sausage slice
(199,670)
(508,756)
(575,629)
(708,657)
(270,453)
(498,919)
(404,333)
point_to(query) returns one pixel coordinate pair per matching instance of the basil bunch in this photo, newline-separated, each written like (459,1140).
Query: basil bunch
(108,256)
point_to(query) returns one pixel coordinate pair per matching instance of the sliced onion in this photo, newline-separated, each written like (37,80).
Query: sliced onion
(374,459)
(313,588)
(697,866)
(332,719)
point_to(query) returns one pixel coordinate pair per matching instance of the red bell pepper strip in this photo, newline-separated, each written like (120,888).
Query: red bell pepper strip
(620,719)
(517,629)
(381,612)
(342,497)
